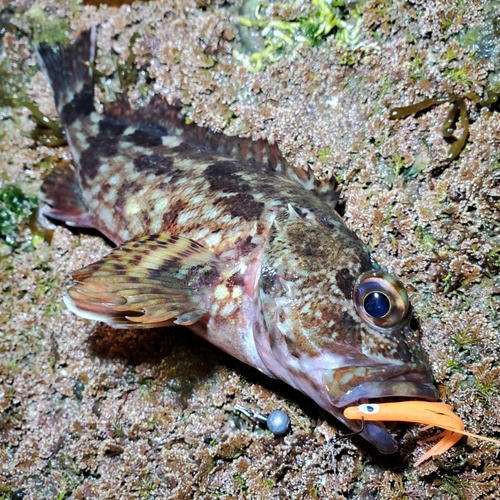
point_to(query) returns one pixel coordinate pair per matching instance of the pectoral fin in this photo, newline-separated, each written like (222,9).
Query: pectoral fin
(149,282)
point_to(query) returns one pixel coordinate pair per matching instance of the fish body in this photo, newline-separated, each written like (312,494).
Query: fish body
(222,235)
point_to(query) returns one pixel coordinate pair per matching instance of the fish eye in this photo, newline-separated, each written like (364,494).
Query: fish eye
(381,300)
(377,304)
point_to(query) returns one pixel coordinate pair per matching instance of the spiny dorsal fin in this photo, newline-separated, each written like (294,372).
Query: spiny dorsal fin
(148,282)
(260,152)
(324,188)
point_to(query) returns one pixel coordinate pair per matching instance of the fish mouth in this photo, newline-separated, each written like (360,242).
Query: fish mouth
(351,386)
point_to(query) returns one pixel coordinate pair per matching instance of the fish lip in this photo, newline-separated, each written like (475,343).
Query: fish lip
(405,386)
(393,388)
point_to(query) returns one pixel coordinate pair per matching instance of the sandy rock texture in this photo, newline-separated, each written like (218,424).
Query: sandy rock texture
(89,412)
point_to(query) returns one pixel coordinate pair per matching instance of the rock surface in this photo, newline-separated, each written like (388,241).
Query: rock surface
(89,412)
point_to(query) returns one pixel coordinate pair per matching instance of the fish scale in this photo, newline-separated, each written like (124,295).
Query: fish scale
(222,235)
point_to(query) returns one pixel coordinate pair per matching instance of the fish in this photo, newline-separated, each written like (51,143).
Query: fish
(223,235)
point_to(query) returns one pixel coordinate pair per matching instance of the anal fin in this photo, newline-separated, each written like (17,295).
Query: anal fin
(148,282)
(61,196)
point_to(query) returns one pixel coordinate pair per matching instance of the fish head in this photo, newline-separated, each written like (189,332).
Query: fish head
(336,326)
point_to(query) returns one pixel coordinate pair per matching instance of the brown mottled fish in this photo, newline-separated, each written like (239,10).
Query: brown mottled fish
(222,235)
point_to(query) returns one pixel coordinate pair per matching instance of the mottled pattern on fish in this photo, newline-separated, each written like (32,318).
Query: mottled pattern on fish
(222,235)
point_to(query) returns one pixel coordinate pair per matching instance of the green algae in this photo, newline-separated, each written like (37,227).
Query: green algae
(46,28)
(15,210)
(126,68)
(47,132)
(266,35)
(14,79)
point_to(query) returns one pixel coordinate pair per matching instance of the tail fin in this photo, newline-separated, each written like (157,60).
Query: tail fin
(70,80)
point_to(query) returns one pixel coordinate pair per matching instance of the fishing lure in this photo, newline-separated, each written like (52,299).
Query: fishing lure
(418,412)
